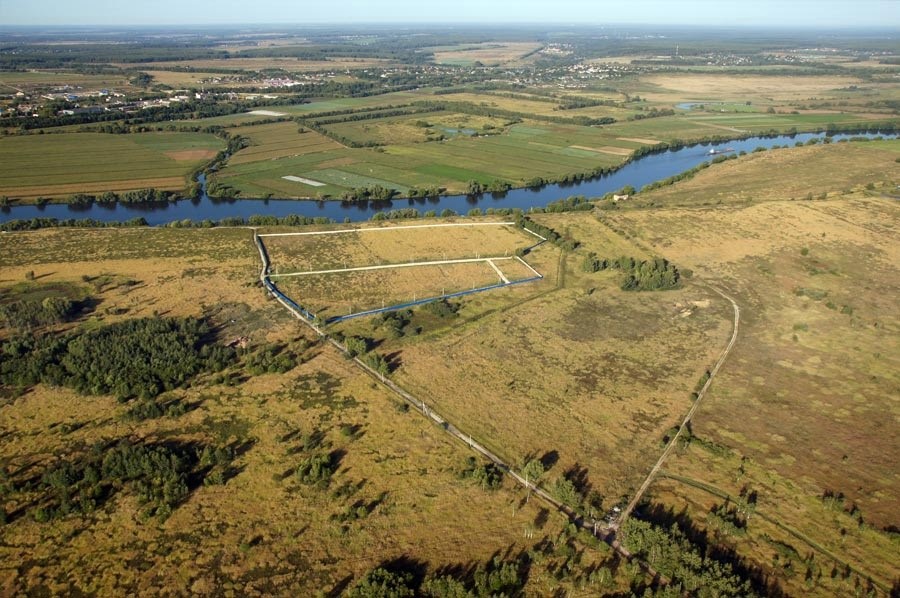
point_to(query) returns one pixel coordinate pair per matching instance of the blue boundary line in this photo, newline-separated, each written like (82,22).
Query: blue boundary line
(270,286)
(372,312)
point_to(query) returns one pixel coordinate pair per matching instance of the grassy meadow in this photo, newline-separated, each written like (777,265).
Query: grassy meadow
(56,166)
(448,149)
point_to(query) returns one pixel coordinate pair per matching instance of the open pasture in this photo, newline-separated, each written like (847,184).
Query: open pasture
(536,104)
(487,53)
(279,140)
(343,293)
(814,278)
(59,165)
(371,246)
(791,173)
(759,89)
(417,128)
(801,412)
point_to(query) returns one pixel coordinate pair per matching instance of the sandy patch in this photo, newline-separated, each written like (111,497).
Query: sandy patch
(606,149)
(639,140)
(267,113)
(300,179)
(191,155)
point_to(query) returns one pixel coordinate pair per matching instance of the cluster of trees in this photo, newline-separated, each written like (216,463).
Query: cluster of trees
(148,195)
(573,203)
(498,577)
(425,192)
(158,474)
(400,214)
(652,113)
(135,358)
(153,409)
(271,359)
(370,192)
(396,323)
(639,275)
(26,314)
(38,223)
(565,243)
(316,470)
(442,308)
(474,187)
(672,553)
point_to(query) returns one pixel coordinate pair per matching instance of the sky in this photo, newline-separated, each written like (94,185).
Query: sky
(784,13)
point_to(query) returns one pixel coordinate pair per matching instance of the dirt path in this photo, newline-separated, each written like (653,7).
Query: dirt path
(687,418)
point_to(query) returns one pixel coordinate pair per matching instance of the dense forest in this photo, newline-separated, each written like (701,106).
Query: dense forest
(135,358)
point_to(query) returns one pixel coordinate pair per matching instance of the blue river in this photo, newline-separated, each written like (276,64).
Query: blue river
(640,172)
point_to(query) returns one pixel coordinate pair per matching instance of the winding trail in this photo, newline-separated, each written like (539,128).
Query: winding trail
(623,516)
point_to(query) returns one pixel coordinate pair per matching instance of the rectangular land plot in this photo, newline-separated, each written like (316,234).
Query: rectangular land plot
(393,245)
(56,165)
(343,293)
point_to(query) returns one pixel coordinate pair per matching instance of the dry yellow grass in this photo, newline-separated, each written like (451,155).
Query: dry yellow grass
(703,86)
(486,53)
(261,533)
(392,245)
(794,173)
(586,372)
(804,403)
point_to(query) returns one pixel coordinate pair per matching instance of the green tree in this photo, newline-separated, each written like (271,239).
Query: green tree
(381,583)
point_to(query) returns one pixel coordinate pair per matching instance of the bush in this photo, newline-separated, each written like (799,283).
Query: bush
(315,470)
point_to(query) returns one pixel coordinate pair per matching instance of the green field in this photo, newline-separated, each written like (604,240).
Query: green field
(427,149)
(60,165)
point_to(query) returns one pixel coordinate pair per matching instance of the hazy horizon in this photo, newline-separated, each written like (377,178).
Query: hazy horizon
(800,14)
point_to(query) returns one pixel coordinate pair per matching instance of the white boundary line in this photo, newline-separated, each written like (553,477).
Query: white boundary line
(389,228)
(499,272)
(527,265)
(405,265)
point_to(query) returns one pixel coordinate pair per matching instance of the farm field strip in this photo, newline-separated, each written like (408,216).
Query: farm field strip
(385,229)
(488,260)
(348,248)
